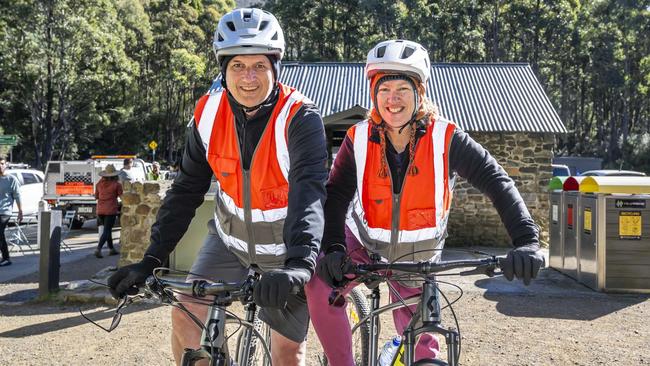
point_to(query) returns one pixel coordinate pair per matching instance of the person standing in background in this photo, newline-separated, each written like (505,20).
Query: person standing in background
(8,194)
(126,175)
(106,193)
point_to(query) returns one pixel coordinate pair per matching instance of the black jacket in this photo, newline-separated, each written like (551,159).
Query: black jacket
(304,223)
(467,158)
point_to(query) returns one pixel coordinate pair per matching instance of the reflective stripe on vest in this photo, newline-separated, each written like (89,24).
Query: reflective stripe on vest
(423,203)
(266,199)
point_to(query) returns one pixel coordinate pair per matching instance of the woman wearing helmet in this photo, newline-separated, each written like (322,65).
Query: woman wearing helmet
(395,172)
(265,144)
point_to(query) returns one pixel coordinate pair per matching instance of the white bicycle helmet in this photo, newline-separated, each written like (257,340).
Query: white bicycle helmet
(399,56)
(248,31)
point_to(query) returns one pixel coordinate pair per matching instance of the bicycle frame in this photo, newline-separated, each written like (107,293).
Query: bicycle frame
(431,313)
(427,317)
(214,345)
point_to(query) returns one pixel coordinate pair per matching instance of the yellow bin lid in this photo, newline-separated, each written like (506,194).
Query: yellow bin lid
(615,184)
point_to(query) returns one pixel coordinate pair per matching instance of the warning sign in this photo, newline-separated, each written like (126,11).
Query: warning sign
(74,188)
(629,225)
(587,222)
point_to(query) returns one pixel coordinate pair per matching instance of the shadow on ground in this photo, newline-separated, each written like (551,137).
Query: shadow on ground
(560,297)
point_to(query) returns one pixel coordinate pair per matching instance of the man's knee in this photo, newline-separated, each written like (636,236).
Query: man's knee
(286,351)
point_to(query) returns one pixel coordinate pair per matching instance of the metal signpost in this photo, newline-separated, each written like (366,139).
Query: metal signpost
(153,145)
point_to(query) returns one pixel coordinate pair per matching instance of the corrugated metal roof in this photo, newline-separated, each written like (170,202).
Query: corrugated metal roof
(478,96)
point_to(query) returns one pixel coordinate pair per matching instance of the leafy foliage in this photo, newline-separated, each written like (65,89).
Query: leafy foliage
(100,76)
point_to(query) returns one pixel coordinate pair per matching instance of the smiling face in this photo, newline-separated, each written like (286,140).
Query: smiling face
(395,102)
(249,79)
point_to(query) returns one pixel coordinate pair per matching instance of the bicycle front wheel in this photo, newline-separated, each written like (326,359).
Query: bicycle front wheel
(357,309)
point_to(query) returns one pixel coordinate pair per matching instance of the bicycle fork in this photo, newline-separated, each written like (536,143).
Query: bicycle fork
(429,314)
(244,352)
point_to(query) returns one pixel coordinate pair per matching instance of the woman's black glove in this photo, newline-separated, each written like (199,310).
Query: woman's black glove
(128,279)
(333,266)
(523,262)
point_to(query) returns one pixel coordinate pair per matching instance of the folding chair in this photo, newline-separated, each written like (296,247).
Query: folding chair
(66,226)
(15,235)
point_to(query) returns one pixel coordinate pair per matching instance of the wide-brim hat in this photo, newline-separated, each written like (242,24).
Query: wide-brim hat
(109,171)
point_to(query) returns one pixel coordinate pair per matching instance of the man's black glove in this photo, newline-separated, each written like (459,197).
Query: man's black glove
(275,286)
(523,262)
(128,279)
(333,266)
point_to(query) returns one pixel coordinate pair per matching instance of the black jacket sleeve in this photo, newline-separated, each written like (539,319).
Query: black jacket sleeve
(182,199)
(341,186)
(474,163)
(303,226)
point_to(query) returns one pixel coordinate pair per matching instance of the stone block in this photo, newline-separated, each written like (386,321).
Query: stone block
(151,188)
(130,199)
(142,210)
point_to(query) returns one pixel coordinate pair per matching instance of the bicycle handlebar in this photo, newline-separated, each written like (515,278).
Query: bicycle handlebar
(485,266)
(202,288)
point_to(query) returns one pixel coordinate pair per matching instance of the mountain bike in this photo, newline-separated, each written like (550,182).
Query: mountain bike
(253,337)
(427,317)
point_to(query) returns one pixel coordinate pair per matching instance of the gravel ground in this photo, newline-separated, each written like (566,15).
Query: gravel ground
(553,322)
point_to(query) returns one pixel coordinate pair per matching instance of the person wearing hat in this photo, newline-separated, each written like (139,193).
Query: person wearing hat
(107,190)
(390,190)
(265,144)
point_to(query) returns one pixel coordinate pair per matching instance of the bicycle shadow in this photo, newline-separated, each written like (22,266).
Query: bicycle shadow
(553,296)
(97,312)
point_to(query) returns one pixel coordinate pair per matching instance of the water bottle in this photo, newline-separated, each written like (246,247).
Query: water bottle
(388,352)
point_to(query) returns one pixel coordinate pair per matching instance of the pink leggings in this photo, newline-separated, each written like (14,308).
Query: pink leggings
(330,322)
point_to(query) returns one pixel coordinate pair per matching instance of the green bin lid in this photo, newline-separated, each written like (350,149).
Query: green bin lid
(616,184)
(556,183)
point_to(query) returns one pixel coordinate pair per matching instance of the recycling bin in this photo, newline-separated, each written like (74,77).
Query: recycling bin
(614,245)
(571,227)
(556,218)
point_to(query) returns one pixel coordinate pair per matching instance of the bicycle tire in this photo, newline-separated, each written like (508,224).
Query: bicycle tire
(257,355)
(430,361)
(361,337)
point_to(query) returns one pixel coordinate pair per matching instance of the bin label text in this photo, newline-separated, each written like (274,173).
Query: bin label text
(629,225)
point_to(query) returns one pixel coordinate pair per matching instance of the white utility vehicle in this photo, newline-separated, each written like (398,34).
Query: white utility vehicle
(70,185)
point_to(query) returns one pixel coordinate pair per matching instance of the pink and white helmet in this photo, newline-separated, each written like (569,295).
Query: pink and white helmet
(399,56)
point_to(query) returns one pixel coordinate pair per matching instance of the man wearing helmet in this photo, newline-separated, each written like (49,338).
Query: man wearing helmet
(379,174)
(265,144)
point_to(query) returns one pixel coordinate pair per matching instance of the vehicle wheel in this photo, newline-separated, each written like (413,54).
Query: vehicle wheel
(357,309)
(77,222)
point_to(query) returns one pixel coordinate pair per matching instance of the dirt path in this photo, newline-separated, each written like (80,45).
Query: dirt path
(554,322)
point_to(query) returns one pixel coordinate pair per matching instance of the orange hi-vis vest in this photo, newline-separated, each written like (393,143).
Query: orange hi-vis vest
(251,205)
(397,226)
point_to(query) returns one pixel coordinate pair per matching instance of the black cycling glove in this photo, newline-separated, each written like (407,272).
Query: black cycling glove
(523,262)
(128,279)
(275,286)
(333,266)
